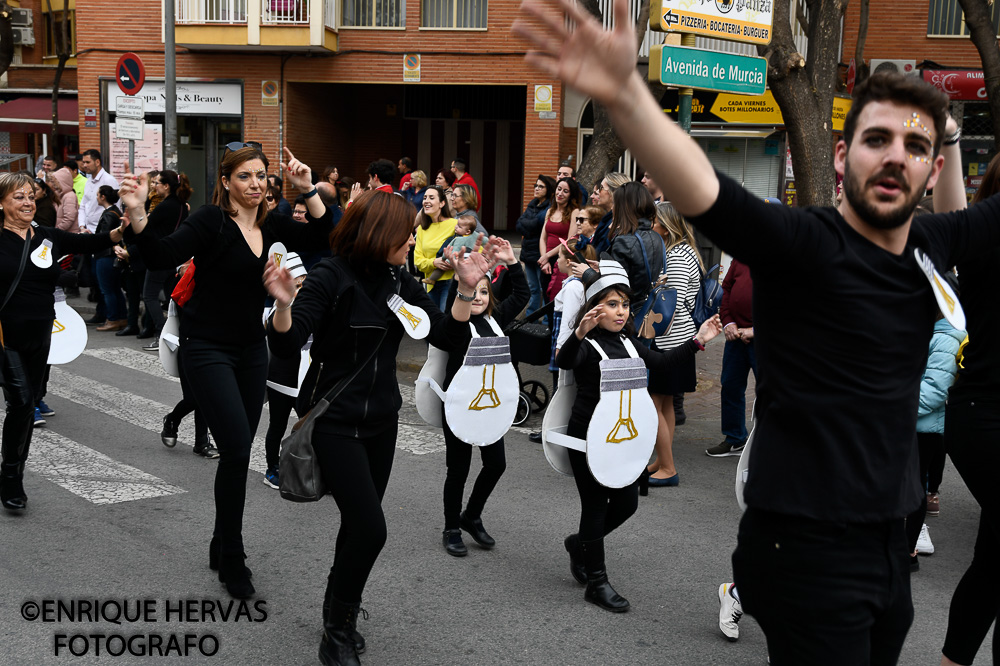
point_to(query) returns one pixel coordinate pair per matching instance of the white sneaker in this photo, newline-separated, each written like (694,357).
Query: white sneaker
(924,545)
(730,612)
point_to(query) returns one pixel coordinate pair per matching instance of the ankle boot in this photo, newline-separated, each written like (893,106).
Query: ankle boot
(599,591)
(235,575)
(576,567)
(12,495)
(337,647)
(359,640)
(214,547)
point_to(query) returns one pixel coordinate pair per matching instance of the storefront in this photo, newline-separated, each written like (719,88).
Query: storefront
(209,115)
(967,91)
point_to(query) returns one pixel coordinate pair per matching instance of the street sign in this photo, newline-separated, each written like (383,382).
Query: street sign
(129,128)
(130,73)
(130,107)
(736,20)
(686,67)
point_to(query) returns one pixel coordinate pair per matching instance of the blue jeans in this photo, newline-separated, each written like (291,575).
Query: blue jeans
(738,359)
(439,294)
(533,273)
(107,280)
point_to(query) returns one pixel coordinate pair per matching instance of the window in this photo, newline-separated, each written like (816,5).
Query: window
(374,14)
(455,14)
(946,19)
(53,23)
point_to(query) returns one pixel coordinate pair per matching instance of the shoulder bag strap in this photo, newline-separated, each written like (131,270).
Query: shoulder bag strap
(20,269)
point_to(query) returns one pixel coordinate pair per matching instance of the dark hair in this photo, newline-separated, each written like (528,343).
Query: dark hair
(48,158)
(275,179)
(407,162)
(898,89)
(565,163)
(71,165)
(425,219)
(382,169)
(550,185)
(573,202)
(488,311)
(633,202)
(178,183)
(376,224)
(274,191)
(46,190)
(301,199)
(92,154)
(460,164)
(991,181)
(449,177)
(231,160)
(109,193)
(591,303)
(570,247)
(328,171)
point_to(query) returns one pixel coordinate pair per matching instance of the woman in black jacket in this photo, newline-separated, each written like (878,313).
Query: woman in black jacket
(222,351)
(104,263)
(530,226)
(344,305)
(45,208)
(174,191)
(631,234)
(26,319)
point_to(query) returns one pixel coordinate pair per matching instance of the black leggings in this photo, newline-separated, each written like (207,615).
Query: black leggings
(458,458)
(280,408)
(602,509)
(930,446)
(227,382)
(356,471)
(188,405)
(19,421)
(972,430)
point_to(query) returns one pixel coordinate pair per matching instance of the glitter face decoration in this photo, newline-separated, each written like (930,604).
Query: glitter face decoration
(915,122)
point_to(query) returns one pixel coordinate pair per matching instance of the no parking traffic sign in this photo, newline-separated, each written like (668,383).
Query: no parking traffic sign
(130,74)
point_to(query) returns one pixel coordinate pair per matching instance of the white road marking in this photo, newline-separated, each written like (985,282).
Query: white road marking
(133,359)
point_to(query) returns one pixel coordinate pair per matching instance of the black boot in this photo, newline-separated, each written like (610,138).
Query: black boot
(213,556)
(235,575)
(12,495)
(599,591)
(359,640)
(337,647)
(474,526)
(680,417)
(576,567)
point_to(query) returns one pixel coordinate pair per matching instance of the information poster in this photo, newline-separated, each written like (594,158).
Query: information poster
(148,152)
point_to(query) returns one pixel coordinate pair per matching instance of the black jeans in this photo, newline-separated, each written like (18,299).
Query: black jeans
(458,458)
(280,408)
(971,432)
(151,296)
(825,592)
(931,448)
(187,405)
(227,382)
(357,472)
(19,421)
(602,509)
(133,294)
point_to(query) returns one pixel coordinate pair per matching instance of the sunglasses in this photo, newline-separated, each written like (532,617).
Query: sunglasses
(581,220)
(269,197)
(233,146)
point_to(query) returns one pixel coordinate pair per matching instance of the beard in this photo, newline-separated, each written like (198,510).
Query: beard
(896,217)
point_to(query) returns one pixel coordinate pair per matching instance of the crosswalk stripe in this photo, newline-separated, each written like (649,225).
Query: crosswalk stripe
(90,474)
(133,359)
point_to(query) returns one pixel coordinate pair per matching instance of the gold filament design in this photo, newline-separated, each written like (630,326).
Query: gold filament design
(623,421)
(45,250)
(489,394)
(947,299)
(277,258)
(57,327)
(410,317)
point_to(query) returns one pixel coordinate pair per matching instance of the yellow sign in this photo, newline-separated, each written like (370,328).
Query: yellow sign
(411,68)
(763,110)
(543,98)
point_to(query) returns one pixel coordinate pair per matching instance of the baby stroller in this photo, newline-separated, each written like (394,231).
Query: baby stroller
(531,343)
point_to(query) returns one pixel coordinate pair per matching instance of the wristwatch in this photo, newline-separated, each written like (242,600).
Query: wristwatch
(463,297)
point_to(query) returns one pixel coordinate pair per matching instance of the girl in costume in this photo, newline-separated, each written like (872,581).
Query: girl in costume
(489,317)
(604,334)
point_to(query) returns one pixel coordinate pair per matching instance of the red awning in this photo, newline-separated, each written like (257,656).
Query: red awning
(34,115)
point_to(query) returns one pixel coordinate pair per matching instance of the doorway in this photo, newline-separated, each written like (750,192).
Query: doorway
(200,142)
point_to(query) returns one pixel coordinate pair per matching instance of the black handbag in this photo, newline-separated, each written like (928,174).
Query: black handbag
(13,378)
(300,476)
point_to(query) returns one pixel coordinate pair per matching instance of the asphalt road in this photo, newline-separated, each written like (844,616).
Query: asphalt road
(116,516)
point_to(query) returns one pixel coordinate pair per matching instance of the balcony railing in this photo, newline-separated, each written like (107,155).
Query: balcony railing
(278,12)
(330,9)
(211,11)
(373,14)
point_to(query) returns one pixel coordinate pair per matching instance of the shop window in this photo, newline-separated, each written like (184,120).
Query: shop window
(945,18)
(53,23)
(373,14)
(454,14)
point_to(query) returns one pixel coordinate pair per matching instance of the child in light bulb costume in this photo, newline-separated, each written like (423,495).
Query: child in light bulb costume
(614,415)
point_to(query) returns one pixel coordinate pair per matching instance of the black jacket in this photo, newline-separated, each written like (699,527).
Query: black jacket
(530,226)
(626,250)
(110,219)
(346,312)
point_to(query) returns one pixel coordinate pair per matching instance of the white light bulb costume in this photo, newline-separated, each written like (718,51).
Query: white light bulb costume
(293,263)
(481,401)
(69,332)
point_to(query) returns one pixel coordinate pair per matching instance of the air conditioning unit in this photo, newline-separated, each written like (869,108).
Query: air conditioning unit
(20,17)
(908,67)
(24,36)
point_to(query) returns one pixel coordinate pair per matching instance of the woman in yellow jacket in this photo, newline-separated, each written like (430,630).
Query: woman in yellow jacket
(435,225)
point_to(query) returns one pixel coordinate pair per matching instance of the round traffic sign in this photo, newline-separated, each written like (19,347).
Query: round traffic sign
(130,74)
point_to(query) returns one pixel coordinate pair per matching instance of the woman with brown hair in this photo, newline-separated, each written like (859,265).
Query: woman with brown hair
(343,305)
(436,224)
(565,200)
(222,351)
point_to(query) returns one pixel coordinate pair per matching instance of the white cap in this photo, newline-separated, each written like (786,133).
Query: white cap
(611,273)
(293,262)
